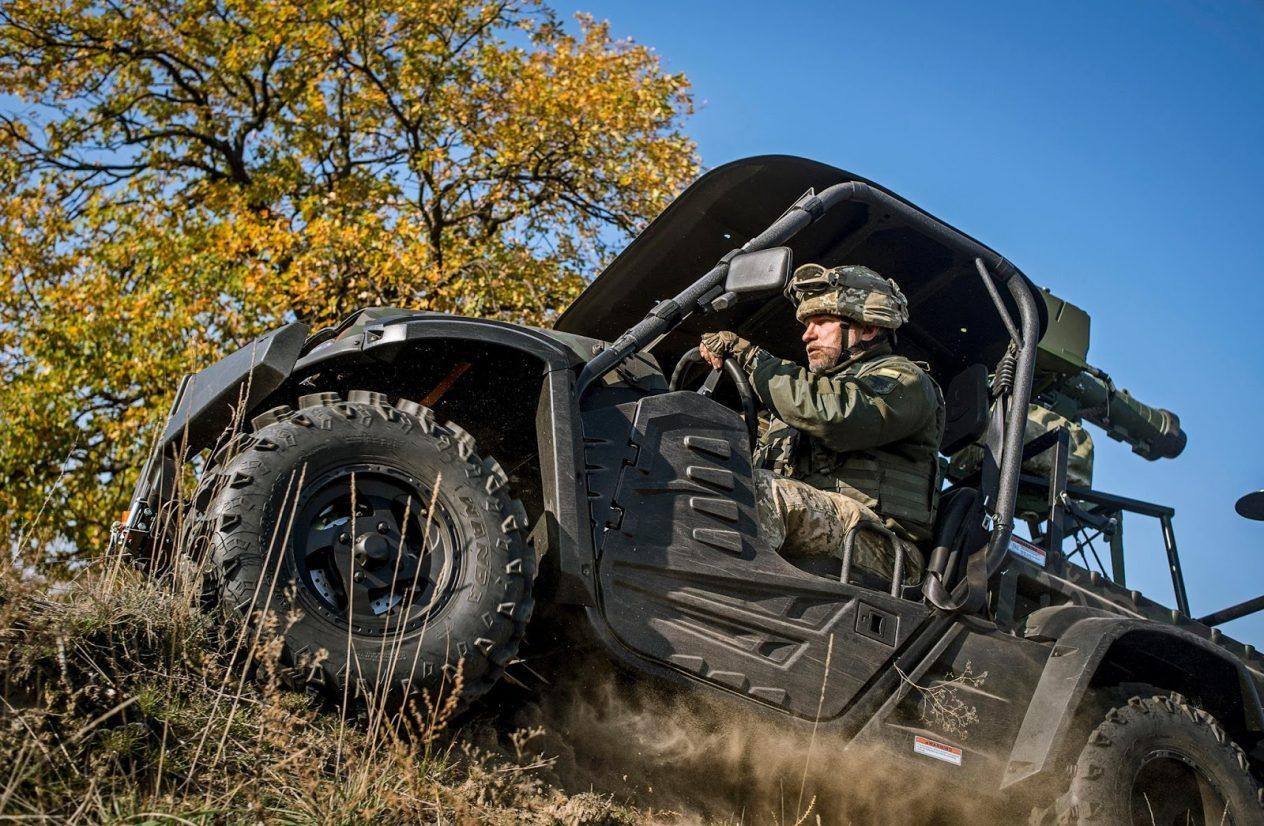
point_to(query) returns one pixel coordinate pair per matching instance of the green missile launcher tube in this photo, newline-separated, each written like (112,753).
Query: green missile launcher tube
(1069,385)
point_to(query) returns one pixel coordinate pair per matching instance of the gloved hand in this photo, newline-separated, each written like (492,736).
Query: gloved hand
(716,347)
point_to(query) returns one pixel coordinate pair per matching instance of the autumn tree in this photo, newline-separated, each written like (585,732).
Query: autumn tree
(179,175)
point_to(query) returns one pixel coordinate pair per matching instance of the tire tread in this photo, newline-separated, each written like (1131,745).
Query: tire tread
(234,545)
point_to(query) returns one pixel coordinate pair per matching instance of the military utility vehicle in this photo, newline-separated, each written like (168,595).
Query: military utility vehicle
(348,473)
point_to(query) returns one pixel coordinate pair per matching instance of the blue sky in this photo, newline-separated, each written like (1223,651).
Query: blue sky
(1113,150)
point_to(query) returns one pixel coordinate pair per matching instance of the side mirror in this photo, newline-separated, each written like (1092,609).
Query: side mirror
(760,272)
(752,274)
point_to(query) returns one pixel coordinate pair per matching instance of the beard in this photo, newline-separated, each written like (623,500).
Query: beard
(821,358)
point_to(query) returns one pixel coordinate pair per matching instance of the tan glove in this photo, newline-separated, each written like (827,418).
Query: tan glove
(726,344)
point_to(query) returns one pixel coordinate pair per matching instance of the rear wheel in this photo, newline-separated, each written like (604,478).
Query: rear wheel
(390,554)
(1161,761)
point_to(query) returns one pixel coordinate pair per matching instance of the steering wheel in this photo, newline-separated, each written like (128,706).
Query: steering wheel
(750,412)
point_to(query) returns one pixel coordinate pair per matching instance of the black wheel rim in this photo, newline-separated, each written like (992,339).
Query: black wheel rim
(373,572)
(1171,789)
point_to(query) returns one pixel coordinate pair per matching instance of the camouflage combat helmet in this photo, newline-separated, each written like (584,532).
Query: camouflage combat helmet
(851,291)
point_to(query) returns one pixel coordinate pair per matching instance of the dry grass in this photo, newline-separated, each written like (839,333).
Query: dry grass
(123,702)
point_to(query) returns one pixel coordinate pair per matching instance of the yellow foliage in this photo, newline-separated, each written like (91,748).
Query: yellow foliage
(179,176)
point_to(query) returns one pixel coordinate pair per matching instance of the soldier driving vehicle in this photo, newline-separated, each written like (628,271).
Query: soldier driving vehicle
(348,473)
(851,441)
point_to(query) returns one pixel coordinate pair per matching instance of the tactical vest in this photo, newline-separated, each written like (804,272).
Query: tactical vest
(900,480)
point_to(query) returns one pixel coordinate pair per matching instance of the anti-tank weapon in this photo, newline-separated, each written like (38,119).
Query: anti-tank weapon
(1068,385)
(1065,383)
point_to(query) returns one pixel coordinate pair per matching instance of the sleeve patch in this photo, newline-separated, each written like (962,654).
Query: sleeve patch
(880,383)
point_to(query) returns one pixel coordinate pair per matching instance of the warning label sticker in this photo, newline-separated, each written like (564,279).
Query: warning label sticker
(937,750)
(1027,551)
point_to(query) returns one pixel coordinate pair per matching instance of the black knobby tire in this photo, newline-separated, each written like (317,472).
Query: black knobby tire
(1160,760)
(419,594)
(197,525)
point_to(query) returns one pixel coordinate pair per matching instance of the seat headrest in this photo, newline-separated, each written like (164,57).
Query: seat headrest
(966,402)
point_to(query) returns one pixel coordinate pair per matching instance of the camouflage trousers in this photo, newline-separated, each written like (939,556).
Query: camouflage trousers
(800,520)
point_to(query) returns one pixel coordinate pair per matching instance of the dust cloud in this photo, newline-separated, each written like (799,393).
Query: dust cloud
(684,758)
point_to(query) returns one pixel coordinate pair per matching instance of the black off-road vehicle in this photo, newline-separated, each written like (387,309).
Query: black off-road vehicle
(348,473)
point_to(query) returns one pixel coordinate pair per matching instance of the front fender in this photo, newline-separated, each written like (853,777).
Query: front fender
(237,384)
(205,405)
(1073,662)
(230,387)
(376,339)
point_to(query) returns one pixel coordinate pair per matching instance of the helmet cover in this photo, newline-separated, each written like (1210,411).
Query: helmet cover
(851,291)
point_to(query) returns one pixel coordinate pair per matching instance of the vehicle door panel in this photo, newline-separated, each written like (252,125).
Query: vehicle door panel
(686,579)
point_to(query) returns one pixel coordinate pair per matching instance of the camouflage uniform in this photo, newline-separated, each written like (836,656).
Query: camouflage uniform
(1040,420)
(856,443)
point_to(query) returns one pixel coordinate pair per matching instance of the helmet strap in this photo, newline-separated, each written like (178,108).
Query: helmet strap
(881,338)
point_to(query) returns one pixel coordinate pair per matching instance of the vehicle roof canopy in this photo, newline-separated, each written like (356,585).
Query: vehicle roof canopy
(953,321)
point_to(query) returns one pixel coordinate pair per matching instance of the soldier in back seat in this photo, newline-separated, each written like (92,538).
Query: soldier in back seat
(1033,505)
(855,436)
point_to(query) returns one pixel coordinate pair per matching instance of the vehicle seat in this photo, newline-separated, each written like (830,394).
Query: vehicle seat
(959,529)
(966,409)
(959,532)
